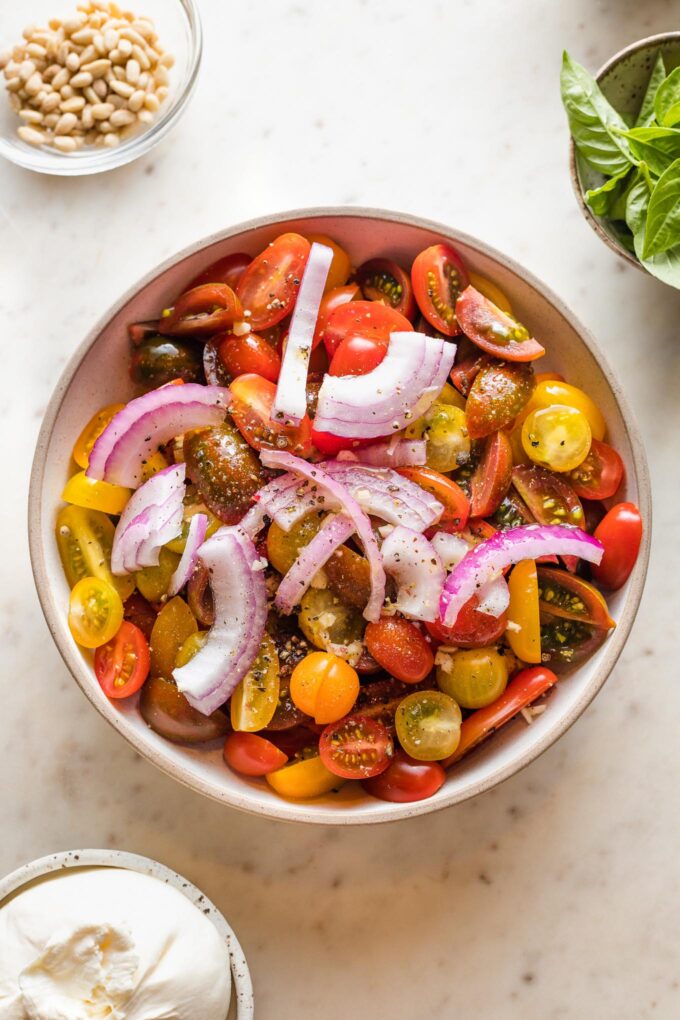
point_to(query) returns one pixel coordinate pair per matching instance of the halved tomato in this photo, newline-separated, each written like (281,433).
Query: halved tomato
(252,755)
(383,280)
(207,309)
(449,493)
(495,331)
(367,319)
(472,629)
(550,499)
(251,407)
(329,303)
(439,277)
(564,594)
(492,476)
(356,747)
(464,372)
(406,780)
(122,664)
(499,392)
(250,353)
(600,475)
(227,270)
(269,286)
(358,355)
(566,643)
(620,532)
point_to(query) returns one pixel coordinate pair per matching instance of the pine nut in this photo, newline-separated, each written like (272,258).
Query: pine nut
(66,91)
(33,117)
(73,62)
(132,71)
(52,101)
(74,24)
(87,118)
(15,102)
(91,95)
(116,101)
(136,100)
(145,116)
(125,47)
(14,84)
(60,78)
(101,111)
(161,75)
(31,135)
(123,88)
(100,88)
(97,68)
(4,60)
(104,126)
(88,54)
(51,120)
(65,144)
(66,124)
(83,36)
(141,57)
(81,80)
(110,39)
(34,49)
(120,118)
(26,70)
(111,140)
(34,84)
(132,36)
(73,105)
(151,102)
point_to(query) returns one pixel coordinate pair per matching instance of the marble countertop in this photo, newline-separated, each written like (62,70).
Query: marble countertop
(556,895)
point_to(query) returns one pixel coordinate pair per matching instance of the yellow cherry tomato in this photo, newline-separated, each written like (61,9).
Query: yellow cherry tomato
(92,432)
(254,701)
(190,647)
(450,395)
(524,623)
(428,725)
(304,779)
(178,544)
(153,582)
(341,265)
(324,686)
(88,492)
(473,677)
(174,625)
(490,291)
(153,464)
(84,539)
(95,612)
(555,391)
(557,437)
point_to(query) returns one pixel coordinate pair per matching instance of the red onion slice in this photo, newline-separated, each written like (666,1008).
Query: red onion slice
(487,561)
(494,597)
(152,517)
(240,600)
(198,525)
(395,453)
(334,531)
(290,402)
(399,390)
(324,482)
(416,567)
(135,433)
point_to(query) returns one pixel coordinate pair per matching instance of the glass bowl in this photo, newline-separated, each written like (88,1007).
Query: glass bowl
(179,28)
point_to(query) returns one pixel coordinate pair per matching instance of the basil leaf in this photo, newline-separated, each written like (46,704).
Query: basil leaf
(662,229)
(593,122)
(646,115)
(657,146)
(617,210)
(667,100)
(601,200)
(666,266)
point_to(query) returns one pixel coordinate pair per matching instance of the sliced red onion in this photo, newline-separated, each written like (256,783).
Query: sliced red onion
(240,600)
(290,403)
(494,597)
(152,517)
(321,480)
(334,531)
(198,525)
(416,567)
(397,452)
(135,433)
(487,561)
(396,392)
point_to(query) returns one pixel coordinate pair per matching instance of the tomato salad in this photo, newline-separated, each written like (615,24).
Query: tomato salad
(346,528)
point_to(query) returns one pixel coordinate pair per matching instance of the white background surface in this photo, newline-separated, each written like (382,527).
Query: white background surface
(557,894)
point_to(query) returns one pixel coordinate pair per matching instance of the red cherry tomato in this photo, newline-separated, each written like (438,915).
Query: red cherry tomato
(358,355)
(466,371)
(620,532)
(241,355)
(449,493)
(524,688)
(207,309)
(406,780)
(356,747)
(600,475)
(329,302)
(399,647)
(122,664)
(251,408)
(383,280)
(362,318)
(269,286)
(492,476)
(328,444)
(439,276)
(228,270)
(472,629)
(494,330)
(252,755)
(137,610)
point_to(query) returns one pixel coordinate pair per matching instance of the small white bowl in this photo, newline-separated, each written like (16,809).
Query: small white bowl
(242,1004)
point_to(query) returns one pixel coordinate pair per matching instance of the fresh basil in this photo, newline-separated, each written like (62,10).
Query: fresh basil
(662,229)
(665,266)
(657,146)
(597,129)
(646,115)
(667,100)
(602,200)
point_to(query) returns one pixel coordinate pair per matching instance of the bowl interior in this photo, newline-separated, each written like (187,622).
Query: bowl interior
(98,375)
(179,32)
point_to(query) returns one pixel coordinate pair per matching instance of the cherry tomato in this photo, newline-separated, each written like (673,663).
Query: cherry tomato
(174,624)
(190,647)
(84,539)
(492,476)
(428,725)
(254,701)
(383,280)
(292,740)
(269,286)
(600,475)
(564,594)
(168,713)
(406,780)
(556,391)
(356,747)
(153,582)
(550,499)
(380,699)
(444,427)
(439,277)
(159,360)
(241,355)
(491,291)
(473,677)
(367,319)
(95,612)
(324,686)
(207,309)
(139,331)
(349,576)
(524,621)
(251,408)
(139,612)
(122,664)
(557,437)
(284,547)
(464,372)
(303,779)
(341,266)
(400,648)
(328,444)
(497,395)
(472,629)
(91,494)
(513,513)
(522,690)
(331,300)
(91,432)
(329,623)
(620,532)
(252,755)
(449,493)
(566,643)
(227,270)
(493,330)
(223,468)
(358,355)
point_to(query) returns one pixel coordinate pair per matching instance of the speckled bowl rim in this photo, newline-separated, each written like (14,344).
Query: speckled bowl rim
(28,873)
(628,51)
(307,812)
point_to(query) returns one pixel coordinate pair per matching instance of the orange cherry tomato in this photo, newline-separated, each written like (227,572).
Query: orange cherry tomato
(91,433)
(303,779)
(449,493)
(122,664)
(269,286)
(227,270)
(341,265)
(252,755)
(367,319)
(620,532)
(250,353)
(324,686)
(399,647)
(331,300)
(251,408)
(493,330)
(524,623)
(439,276)
(207,309)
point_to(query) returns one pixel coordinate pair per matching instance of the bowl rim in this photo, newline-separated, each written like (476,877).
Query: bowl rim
(101,160)
(296,811)
(26,874)
(593,221)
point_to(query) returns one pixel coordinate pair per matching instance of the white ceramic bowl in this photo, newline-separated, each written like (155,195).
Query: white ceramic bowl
(242,1005)
(97,375)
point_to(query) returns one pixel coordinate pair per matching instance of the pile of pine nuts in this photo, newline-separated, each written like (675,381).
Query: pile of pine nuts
(92,79)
